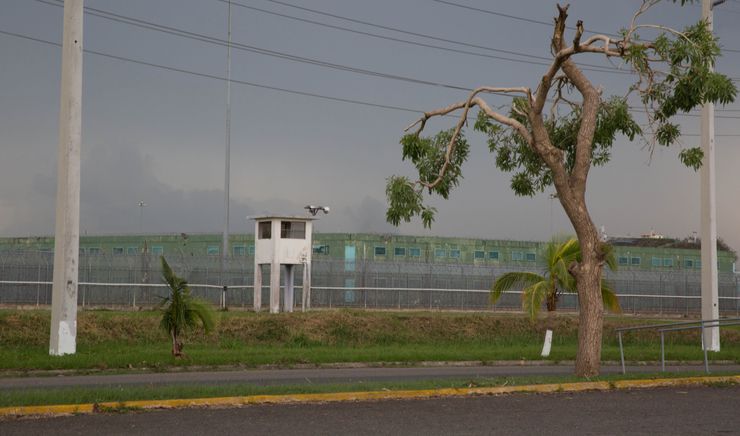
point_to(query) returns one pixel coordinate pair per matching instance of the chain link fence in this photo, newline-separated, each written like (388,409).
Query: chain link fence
(135,281)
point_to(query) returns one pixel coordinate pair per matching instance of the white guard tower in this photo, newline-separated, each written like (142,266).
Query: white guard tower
(282,240)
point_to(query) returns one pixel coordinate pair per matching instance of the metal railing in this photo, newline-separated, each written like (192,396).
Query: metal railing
(674,327)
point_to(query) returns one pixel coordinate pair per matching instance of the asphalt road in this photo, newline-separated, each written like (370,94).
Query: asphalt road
(321,375)
(669,411)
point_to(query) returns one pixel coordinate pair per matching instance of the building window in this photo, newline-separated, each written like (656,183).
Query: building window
(265,230)
(250,250)
(239,250)
(479,254)
(668,261)
(292,230)
(118,251)
(624,260)
(320,249)
(82,251)
(455,254)
(656,261)
(380,251)
(635,261)
(399,251)
(158,250)
(415,252)
(212,250)
(493,255)
(688,263)
(132,251)
(531,257)
(93,251)
(517,255)
(440,252)
(697,264)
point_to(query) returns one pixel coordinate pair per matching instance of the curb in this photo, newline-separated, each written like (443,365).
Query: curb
(89,408)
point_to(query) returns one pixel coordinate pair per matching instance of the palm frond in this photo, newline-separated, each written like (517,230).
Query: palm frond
(609,258)
(509,280)
(609,297)
(533,296)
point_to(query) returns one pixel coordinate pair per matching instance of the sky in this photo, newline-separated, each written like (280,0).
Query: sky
(158,135)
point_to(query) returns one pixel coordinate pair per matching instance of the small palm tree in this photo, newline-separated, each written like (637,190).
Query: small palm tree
(556,279)
(180,310)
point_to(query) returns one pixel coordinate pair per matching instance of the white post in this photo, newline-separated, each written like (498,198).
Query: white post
(288,294)
(709,281)
(67,232)
(306,286)
(257,298)
(227,164)
(274,287)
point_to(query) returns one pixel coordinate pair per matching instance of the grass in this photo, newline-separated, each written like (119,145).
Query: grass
(121,341)
(35,397)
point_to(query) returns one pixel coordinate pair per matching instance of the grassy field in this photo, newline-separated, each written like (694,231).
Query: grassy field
(121,341)
(75,395)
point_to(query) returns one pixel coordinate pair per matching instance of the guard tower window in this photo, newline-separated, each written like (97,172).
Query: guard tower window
(265,230)
(292,230)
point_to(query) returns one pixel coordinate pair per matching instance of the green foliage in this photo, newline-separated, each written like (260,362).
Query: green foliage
(513,153)
(180,310)
(556,279)
(692,157)
(428,154)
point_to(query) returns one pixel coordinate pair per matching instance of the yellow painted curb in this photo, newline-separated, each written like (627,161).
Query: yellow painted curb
(68,409)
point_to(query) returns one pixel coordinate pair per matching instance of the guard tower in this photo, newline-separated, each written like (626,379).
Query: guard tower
(286,241)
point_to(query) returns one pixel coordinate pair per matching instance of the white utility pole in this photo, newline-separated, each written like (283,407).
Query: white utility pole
(709,280)
(227,165)
(63,338)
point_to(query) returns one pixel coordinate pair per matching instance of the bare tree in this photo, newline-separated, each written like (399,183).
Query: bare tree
(543,148)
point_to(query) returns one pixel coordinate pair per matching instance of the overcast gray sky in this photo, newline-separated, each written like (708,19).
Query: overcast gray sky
(157,136)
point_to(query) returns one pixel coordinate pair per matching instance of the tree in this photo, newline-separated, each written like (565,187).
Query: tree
(673,74)
(556,279)
(180,310)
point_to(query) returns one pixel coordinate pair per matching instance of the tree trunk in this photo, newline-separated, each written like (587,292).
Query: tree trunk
(590,304)
(176,346)
(552,302)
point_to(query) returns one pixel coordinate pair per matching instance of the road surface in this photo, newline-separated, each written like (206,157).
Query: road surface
(669,411)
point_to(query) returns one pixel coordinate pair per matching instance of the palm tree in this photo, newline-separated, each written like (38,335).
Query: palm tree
(180,310)
(556,279)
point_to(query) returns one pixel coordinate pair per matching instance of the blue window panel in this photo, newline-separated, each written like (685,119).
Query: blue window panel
(212,250)
(531,257)
(440,252)
(250,250)
(117,251)
(624,260)
(517,255)
(656,261)
(349,257)
(239,250)
(399,251)
(158,250)
(132,251)
(479,254)
(415,252)
(455,254)
(493,255)
(668,261)
(688,263)
(93,251)
(380,251)
(636,261)
(697,264)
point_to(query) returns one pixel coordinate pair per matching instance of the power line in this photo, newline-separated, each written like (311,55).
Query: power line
(252,49)
(241,82)
(605,69)
(528,20)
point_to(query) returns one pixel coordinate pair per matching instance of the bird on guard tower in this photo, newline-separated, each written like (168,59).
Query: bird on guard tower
(313,210)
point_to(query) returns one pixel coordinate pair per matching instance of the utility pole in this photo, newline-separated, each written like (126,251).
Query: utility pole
(63,337)
(142,205)
(709,280)
(227,165)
